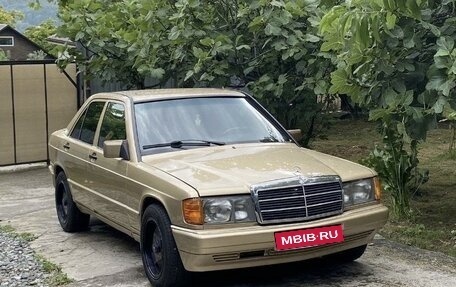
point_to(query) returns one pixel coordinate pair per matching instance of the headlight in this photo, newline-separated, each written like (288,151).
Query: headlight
(213,210)
(228,209)
(360,191)
(217,210)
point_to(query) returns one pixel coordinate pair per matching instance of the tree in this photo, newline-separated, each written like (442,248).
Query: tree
(40,33)
(398,59)
(271,47)
(10,17)
(394,58)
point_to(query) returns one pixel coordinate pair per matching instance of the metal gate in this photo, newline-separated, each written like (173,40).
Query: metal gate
(36,99)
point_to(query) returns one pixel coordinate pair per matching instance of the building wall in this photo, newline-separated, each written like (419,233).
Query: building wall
(22,47)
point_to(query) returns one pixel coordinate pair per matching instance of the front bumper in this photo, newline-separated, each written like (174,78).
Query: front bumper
(219,249)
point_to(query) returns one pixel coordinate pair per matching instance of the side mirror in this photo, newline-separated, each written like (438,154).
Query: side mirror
(116,149)
(296,134)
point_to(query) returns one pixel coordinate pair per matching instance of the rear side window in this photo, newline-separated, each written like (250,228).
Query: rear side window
(77,127)
(86,126)
(113,126)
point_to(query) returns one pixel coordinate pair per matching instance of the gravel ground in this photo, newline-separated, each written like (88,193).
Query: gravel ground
(18,265)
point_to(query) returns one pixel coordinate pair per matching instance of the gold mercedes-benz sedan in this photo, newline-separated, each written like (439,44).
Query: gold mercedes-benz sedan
(207,179)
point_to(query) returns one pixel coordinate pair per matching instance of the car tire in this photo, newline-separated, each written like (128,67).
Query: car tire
(347,256)
(161,259)
(70,217)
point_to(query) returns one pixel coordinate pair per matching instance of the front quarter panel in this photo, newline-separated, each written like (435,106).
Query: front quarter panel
(148,184)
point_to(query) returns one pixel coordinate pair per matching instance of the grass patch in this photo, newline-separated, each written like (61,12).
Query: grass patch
(57,277)
(7,229)
(432,224)
(26,236)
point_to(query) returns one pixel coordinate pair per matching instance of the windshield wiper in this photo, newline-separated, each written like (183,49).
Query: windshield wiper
(181,143)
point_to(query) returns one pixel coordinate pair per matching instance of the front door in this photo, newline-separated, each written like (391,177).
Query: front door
(107,176)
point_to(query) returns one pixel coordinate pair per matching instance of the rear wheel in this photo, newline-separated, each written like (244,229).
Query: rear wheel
(160,256)
(70,217)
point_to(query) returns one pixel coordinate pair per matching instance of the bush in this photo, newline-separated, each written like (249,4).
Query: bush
(398,169)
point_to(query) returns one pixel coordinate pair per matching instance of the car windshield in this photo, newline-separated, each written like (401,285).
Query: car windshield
(202,121)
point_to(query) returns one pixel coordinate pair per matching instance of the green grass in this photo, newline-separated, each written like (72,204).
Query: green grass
(26,236)
(57,277)
(432,224)
(7,229)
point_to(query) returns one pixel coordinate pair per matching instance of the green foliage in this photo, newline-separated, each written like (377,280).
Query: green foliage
(271,47)
(39,34)
(4,56)
(397,59)
(10,17)
(394,58)
(398,168)
(36,55)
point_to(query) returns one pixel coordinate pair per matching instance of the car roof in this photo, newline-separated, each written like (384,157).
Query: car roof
(163,94)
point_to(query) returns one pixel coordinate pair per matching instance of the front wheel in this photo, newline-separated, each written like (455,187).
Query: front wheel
(160,256)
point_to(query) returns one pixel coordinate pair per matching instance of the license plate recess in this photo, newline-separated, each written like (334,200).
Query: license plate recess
(310,237)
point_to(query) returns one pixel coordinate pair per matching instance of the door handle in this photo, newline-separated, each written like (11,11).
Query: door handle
(93,156)
(66,146)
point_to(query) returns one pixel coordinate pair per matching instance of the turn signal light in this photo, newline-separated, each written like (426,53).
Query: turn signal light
(193,211)
(378,188)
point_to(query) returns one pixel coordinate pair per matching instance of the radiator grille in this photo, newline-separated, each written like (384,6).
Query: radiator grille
(298,199)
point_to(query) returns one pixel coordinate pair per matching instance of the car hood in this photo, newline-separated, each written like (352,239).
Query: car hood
(232,169)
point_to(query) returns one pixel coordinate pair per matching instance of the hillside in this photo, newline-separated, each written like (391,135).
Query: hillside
(32,17)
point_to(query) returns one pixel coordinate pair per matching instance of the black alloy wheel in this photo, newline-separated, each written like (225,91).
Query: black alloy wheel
(161,259)
(154,250)
(70,217)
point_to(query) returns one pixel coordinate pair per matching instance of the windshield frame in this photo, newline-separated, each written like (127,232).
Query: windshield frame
(287,138)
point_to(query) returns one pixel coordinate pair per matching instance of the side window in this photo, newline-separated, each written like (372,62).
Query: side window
(113,126)
(86,126)
(77,127)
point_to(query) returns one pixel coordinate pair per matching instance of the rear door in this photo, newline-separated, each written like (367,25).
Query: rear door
(76,147)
